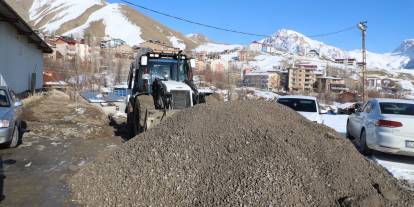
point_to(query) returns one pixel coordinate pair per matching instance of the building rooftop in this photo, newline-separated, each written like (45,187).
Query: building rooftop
(8,14)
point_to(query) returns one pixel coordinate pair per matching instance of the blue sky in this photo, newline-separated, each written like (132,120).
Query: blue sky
(389,22)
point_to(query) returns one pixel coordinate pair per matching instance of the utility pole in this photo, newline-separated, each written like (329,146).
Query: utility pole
(363,27)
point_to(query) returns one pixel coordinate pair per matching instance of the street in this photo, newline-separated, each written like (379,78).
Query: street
(36,173)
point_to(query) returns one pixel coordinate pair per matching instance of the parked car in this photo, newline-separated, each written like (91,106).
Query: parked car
(385,125)
(306,106)
(10,117)
(350,109)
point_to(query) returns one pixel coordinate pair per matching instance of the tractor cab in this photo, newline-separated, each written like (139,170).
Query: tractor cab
(154,67)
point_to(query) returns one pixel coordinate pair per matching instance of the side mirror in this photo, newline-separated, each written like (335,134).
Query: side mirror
(144,60)
(18,104)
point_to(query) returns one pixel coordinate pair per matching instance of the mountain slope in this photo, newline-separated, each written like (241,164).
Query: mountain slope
(289,41)
(296,43)
(407,49)
(99,18)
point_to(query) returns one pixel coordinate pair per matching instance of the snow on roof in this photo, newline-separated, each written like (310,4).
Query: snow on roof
(331,78)
(299,97)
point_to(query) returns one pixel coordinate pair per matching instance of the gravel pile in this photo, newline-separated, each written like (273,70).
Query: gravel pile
(250,153)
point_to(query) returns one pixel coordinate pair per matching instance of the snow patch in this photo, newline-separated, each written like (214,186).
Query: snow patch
(177,43)
(266,62)
(117,25)
(66,10)
(336,122)
(215,47)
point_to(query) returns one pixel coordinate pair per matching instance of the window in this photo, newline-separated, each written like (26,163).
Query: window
(397,108)
(368,107)
(304,105)
(4,100)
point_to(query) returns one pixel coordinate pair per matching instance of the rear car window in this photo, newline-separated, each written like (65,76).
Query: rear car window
(304,105)
(397,108)
(4,100)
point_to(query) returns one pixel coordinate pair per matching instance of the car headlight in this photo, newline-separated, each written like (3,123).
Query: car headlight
(4,123)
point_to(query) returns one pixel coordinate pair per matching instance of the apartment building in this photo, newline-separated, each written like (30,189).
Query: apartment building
(265,80)
(302,78)
(330,85)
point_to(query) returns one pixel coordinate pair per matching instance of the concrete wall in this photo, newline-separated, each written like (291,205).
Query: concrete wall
(19,59)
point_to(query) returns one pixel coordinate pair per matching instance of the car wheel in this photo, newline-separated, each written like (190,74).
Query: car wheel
(15,138)
(348,135)
(363,147)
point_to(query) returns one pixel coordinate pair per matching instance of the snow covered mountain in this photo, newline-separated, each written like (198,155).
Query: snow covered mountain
(296,43)
(98,18)
(407,49)
(206,45)
(292,42)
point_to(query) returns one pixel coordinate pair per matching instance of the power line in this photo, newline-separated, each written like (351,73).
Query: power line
(194,22)
(227,29)
(336,32)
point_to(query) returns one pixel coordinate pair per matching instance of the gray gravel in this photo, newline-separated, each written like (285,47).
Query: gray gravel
(250,153)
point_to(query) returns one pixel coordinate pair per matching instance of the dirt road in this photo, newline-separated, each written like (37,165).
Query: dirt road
(63,137)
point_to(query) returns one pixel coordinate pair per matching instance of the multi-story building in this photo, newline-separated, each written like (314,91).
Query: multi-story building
(330,85)
(302,78)
(265,80)
(346,61)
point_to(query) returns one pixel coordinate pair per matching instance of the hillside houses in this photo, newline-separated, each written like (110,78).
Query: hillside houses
(112,43)
(66,48)
(346,61)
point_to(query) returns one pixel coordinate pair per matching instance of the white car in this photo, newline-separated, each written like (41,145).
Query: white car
(306,106)
(385,125)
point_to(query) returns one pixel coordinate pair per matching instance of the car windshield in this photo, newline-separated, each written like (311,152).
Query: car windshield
(304,105)
(397,108)
(4,101)
(168,69)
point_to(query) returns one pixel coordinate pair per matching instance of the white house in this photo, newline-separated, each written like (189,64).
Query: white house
(21,52)
(255,46)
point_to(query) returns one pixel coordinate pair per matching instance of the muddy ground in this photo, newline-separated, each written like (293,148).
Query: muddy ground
(62,137)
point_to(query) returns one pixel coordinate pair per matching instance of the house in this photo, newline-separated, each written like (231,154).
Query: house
(21,52)
(67,48)
(243,55)
(330,85)
(265,80)
(219,65)
(112,43)
(346,61)
(374,83)
(255,46)
(302,77)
